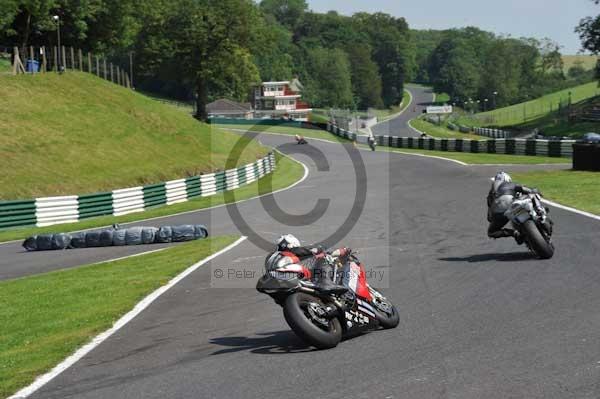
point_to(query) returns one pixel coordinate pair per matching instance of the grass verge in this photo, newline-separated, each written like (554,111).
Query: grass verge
(441,131)
(288,171)
(47,317)
(577,189)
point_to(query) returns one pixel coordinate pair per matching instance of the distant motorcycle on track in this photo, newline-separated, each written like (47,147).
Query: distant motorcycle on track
(322,319)
(372,143)
(531,219)
(301,140)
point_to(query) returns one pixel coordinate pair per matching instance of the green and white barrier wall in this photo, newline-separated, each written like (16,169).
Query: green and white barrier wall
(547,148)
(69,209)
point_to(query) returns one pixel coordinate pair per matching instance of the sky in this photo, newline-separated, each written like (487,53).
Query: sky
(554,19)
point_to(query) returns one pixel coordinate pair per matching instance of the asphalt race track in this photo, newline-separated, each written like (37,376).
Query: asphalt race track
(479,318)
(398,126)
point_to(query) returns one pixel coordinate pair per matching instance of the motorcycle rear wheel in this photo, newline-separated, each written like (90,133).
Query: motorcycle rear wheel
(298,316)
(538,244)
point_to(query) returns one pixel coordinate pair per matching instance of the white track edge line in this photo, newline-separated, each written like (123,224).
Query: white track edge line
(139,307)
(568,208)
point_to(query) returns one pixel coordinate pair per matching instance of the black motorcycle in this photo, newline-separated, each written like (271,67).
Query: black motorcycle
(322,319)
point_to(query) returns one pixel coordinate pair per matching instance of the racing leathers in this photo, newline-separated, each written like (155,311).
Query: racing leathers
(499,200)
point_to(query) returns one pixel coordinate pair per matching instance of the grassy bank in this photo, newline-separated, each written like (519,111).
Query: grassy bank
(287,172)
(5,65)
(307,133)
(46,317)
(534,109)
(441,131)
(580,190)
(75,134)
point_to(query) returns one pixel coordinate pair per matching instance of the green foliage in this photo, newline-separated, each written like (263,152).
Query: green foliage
(207,49)
(473,64)
(366,81)
(330,81)
(389,38)
(287,12)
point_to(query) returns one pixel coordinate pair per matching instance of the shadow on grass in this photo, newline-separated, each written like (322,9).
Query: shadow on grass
(497,257)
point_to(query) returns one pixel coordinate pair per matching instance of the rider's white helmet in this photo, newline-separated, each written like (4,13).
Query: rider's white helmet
(502,177)
(287,241)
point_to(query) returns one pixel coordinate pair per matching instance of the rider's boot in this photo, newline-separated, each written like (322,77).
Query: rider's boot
(502,233)
(323,279)
(518,237)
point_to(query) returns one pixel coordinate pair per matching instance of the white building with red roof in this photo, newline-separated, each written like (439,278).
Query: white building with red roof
(276,100)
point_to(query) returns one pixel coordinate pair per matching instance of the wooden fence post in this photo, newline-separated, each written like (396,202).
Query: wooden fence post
(72,58)
(17,64)
(112,79)
(44,59)
(80,56)
(127,82)
(55,66)
(89,57)
(105,71)
(97,66)
(64,59)
(119,76)
(31,57)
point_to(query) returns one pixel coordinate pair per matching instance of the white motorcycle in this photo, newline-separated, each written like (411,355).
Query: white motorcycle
(529,216)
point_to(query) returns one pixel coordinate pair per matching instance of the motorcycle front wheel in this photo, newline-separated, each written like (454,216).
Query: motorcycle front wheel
(303,313)
(538,244)
(386,312)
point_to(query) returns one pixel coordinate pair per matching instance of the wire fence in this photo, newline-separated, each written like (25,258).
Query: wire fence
(347,119)
(31,60)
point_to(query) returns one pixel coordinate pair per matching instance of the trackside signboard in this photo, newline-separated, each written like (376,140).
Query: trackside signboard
(446,109)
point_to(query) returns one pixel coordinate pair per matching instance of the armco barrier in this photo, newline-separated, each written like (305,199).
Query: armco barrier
(492,133)
(70,209)
(549,148)
(268,122)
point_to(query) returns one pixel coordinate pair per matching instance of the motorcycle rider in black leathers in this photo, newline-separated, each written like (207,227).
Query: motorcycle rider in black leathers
(315,259)
(501,195)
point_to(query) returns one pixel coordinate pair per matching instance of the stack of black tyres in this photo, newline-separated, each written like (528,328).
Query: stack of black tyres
(116,237)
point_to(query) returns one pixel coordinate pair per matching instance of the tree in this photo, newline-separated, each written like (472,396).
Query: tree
(456,68)
(551,58)
(389,38)
(272,51)
(286,12)
(329,81)
(8,11)
(589,33)
(209,50)
(366,81)
(29,16)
